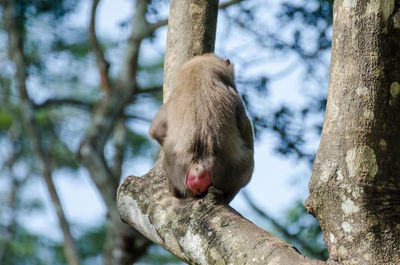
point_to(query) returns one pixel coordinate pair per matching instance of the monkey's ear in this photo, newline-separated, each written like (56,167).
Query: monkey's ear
(227,62)
(159,126)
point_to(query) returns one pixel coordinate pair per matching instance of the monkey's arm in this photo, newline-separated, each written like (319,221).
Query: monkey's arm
(244,126)
(159,125)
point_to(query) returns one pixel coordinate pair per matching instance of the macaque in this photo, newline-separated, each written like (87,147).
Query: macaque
(204,132)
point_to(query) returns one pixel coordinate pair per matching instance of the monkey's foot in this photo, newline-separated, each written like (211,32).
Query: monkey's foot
(215,194)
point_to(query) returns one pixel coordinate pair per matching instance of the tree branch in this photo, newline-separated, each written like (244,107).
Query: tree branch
(135,117)
(164,22)
(15,48)
(148,90)
(119,140)
(229,3)
(102,64)
(198,231)
(54,102)
(11,203)
(140,30)
(158,24)
(64,101)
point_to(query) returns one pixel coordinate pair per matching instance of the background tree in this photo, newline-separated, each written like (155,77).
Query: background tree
(64,91)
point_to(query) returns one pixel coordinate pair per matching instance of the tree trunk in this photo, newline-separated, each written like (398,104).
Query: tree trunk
(191,31)
(355,186)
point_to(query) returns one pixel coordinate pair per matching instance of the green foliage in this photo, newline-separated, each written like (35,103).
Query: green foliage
(5,120)
(30,206)
(150,75)
(91,243)
(137,143)
(57,8)
(44,121)
(157,255)
(313,14)
(76,49)
(25,248)
(30,249)
(58,151)
(62,156)
(306,227)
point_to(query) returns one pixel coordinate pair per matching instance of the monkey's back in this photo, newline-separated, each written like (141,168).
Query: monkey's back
(203,121)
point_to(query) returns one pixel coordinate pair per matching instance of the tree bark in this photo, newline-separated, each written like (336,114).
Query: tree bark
(355,186)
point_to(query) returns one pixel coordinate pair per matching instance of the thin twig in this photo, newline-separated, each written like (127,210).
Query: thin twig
(149,90)
(55,102)
(101,62)
(158,24)
(126,80)
(11,202)
(119,140)
(64,101)
(164,22)
(135,117)
(229,3)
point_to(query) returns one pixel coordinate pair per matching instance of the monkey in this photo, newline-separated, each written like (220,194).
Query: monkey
(204,132)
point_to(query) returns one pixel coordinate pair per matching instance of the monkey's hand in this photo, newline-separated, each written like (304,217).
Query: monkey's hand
(198,179)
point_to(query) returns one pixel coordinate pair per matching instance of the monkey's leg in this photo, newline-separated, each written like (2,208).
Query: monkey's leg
(175,191)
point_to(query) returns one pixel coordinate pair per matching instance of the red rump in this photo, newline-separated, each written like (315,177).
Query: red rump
(198,179)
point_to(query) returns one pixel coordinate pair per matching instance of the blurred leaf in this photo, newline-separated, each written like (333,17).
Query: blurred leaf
(311,15)
(137,143)
(26,248)
(5,119)
(78,49)
(62,156)
(307,228)
(57,8)
(43,120)
(91,243)
(157,255)
(32,205)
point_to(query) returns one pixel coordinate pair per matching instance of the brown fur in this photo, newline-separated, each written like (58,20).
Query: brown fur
(204,122)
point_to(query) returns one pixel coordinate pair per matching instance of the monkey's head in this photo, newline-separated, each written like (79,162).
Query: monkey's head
(212,64)
(222,66)
(198,179)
